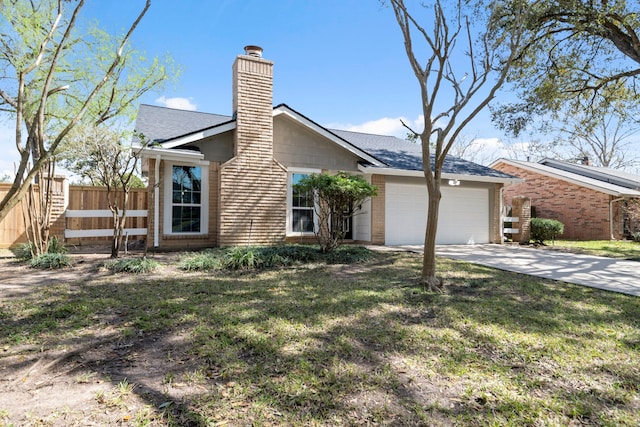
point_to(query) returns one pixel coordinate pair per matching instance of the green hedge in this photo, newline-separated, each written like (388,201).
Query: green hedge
(545,229)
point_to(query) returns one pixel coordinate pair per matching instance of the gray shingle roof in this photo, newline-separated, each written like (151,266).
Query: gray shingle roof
(401,154)
(161,123)
(608,175)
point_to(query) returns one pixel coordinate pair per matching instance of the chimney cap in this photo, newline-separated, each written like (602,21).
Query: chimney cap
(252,50)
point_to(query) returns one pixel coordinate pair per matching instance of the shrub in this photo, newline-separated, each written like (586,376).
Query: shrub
(348,255)
(201,261)
(51,261)
(24,251)
(57,246)
(545,229)
(247,257)
(636,236)
(132,265)
(241,258)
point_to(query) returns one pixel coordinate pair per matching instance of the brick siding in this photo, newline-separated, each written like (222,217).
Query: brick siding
(583,211)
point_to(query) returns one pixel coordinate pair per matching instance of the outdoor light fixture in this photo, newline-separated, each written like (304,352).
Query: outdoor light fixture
(454,182)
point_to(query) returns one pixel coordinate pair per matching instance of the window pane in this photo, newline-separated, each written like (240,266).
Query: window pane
(303,220)
(187,183)
(185,219)
(303,200)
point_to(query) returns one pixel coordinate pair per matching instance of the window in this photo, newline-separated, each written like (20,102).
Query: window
(186,203)
(186,199)
(301,217)
(302,208)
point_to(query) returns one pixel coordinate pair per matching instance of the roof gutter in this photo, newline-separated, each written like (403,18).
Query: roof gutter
(170,154)
(420,174)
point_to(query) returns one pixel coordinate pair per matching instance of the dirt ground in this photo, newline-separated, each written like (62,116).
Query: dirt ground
(87,383)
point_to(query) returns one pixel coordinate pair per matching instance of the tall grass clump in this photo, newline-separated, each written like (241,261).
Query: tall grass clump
(132,265)
(260,257)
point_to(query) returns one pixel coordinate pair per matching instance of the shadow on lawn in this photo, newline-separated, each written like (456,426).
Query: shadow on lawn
(328,345)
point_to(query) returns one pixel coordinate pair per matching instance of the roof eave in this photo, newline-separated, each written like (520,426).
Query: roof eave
(578,182)
(199,135)
(169,154)
(420,174)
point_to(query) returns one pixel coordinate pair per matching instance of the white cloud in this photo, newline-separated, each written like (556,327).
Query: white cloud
(385,126)
(178,103)
(10,155)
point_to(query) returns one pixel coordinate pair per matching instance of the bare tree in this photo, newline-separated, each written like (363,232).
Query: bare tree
(453,95)
(602,133)
(53,78)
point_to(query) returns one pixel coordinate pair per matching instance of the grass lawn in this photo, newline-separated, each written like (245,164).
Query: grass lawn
(329,345)
(608,248)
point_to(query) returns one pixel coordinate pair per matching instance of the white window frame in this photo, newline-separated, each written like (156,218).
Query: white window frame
(168,197)
(290,173)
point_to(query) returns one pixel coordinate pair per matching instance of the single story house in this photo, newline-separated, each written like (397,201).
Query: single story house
(590,201)
(218,180)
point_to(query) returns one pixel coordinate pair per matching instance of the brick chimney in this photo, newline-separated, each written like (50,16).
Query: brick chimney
(253,105)
(252,204)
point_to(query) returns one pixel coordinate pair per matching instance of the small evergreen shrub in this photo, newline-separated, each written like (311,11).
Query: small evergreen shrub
(132,265)
(348,255)
(636,236)
(51,261)
(545,229)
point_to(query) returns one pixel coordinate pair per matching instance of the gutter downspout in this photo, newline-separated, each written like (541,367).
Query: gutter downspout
(611,202)
(156,203)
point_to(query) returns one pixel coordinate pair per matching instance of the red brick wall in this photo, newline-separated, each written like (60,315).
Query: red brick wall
(583,211)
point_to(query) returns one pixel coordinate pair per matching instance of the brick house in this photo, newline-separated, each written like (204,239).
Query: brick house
(218,180)
(588,200)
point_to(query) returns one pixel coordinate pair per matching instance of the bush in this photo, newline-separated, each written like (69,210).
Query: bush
(201,261)
(545,229)
(636,236)
(51,261)
(132,265)
(24,251)
(252,257)
(348,255)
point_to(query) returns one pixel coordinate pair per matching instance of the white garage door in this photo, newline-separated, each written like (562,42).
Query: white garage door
(463,219)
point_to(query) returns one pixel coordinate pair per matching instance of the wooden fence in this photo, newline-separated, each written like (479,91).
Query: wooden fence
(81,216)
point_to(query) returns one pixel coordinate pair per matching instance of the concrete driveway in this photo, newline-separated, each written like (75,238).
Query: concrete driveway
(597,272)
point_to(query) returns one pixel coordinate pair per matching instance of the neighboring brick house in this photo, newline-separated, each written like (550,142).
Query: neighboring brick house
(588,200)
(218,180)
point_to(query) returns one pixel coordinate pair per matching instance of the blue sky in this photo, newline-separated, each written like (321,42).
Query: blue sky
(340,62)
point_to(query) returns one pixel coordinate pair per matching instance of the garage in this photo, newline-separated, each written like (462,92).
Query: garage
(463,219)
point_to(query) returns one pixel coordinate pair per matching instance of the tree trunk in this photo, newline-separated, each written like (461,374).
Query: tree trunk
(429,279)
